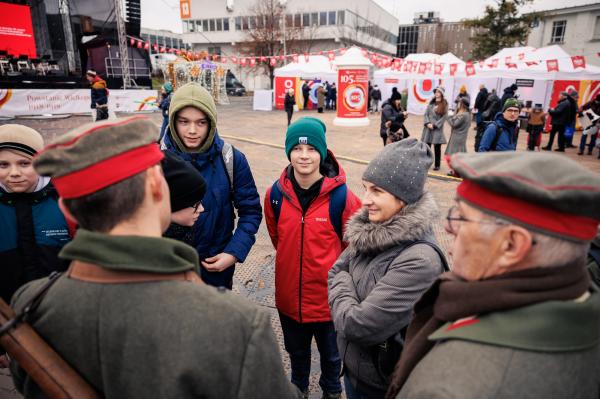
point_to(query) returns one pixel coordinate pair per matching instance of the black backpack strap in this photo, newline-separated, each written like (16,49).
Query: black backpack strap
(275,198)
(494,143)
(337,204)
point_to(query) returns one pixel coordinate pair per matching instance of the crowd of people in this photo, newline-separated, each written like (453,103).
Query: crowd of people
(147,228)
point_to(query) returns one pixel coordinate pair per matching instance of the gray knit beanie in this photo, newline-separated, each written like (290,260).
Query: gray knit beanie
(401,169)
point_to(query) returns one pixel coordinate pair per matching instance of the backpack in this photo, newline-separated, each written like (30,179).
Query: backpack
(494,142)
(386,354)
(227,157)
(337,203)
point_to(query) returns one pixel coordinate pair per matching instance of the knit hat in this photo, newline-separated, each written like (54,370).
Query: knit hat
(20,138)
(91,72)
(465,101)
(401,169)
(543,192)
(186,185)
(573,94)
(511,103)
(168,87)
(395,96)
(97,155)
(441,90)
(307,130)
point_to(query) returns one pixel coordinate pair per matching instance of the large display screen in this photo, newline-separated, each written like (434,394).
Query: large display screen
(16,31)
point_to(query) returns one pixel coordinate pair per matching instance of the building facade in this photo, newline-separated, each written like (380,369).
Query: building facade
(223,27)
(575,29)
(162,38)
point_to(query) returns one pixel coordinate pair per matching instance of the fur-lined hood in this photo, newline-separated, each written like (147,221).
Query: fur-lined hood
(413,222)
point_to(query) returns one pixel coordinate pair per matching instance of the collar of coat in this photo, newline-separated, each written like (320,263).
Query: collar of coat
(551,326)
(132,253)
(413,222)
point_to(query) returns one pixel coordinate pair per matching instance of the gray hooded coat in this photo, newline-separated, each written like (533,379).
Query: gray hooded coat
(435,135)
(460,124)
(374,284)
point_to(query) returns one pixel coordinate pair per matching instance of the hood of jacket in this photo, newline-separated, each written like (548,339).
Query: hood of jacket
(193,95)
(413,222)
(98,83)
(499,119)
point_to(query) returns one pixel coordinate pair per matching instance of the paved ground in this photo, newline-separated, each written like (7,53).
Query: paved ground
(254,279)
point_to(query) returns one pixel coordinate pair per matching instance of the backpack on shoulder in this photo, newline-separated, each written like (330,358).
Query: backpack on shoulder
(337,204)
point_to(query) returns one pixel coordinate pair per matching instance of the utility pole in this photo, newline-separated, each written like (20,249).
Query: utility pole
(122,34)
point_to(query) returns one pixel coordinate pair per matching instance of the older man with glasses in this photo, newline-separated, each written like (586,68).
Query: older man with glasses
(501,133)
(518,315)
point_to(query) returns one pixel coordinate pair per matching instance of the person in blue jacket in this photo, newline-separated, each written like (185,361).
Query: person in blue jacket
(32,228)
(192,135)
(501,133)
(166,92)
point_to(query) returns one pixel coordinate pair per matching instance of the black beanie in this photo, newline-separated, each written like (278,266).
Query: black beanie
(395,96)
(186,184)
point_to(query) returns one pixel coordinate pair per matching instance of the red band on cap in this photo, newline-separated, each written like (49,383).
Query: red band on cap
(578,227)
(109,171)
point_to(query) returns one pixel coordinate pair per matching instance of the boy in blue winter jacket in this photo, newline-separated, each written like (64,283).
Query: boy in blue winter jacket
(192,135)
(501,133)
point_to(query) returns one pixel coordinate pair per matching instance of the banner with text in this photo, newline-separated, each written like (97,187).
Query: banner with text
(352,93)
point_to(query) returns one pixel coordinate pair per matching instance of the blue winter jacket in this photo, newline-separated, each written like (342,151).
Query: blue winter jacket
(507,140)
(214,230)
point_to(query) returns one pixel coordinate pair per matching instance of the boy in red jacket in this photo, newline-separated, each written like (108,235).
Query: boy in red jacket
(300,215)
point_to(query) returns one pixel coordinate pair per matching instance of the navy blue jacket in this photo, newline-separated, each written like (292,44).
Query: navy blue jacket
(33,231)
(164,104)
(561,114)
(214,229)
(507,140)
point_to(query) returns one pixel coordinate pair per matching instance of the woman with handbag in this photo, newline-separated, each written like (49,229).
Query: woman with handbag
(391,259)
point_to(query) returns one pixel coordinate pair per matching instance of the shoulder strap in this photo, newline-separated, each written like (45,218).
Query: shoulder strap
(275,198)
(227,155)
(337,204)
(437,249)
(494,143)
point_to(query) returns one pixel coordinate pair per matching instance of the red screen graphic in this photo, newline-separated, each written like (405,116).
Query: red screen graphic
(16,32)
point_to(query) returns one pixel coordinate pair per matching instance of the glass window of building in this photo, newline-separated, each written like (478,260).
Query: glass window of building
(297,20)
(340,18)
(558,31)
(211,25)
(252,22)
(205,25)
(289,20)
(305,19)
(226,24)
(331,18)
(219,22)
(192,26)
(314,18)
(597,28)
(260,21)
(323,18)
(238,23)
(245,23)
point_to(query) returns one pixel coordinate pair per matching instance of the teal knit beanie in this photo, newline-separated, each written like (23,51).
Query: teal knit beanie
(307,130)
(511,103)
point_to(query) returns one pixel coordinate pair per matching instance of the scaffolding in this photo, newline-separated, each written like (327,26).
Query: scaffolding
(123,52)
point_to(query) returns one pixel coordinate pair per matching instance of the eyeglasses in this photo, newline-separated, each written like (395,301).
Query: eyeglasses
(197,205)
(454,221)
(513,111)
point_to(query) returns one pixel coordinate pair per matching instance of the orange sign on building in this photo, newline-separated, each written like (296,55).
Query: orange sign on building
(185,9)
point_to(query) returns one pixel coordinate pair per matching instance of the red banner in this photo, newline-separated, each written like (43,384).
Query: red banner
(139,44)
(331,56)
(273,61)
(469,70)
(243,62)
(224,59)
(438,68)
(578,61)
(494,63)
(132,42)
(252,62)
(305,57)
(234,59)
(521,56)
(295,57)
(282,85)
(16,31)
(146,46)
(511,65)
(422,68)
(352,93)
(263,59)
(552,65)
(453,68)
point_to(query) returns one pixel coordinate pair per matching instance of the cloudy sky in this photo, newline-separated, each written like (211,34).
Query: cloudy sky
(164,14)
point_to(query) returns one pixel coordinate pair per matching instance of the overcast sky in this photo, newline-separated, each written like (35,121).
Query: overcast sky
(164,14)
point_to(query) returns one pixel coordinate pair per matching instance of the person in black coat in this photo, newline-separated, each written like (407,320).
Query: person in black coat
(480,101)
(509,92)
(561,118)
(289,103)
(305,94)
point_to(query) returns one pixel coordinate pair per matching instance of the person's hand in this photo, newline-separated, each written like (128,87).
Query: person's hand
(219,262)
(4,361)
(430,126)
(388,124)
(405,114)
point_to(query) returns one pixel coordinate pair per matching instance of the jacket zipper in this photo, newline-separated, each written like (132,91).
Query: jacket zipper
(300,282)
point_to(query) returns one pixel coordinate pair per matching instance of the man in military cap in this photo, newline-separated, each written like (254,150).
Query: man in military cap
(517,316)
(131,314)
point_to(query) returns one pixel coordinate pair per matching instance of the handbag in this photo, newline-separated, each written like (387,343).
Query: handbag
(569,131)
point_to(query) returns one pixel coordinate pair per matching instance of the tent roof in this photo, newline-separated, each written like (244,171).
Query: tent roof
(317,65)
(353,56)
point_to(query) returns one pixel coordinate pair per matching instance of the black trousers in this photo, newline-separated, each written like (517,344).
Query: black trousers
(560,129)
(289,115)
(306,101)
(101,113)
(437,152)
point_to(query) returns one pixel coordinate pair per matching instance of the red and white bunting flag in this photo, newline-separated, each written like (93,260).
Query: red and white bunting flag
(190,55)
(374,58)
(507,59)
(494,63)
(331,55)
(252,62)
(364,52)
(224,59)
(552,65)
(469,70)
(155,47)
(171,50)
(320,53)
(422,68)
(215,57)
(178,52)
(234,59)
(578,61)
(243,61)
(132,42)
(139,44)
(306,57)
(397,63)
(531,63)
(428,67)
(511,65)
(438,68)
(273,61)
(521,56)
(295,57)
(146,46)
(263,59)
(343,50)
(281,58)
(453,68)
(163,49)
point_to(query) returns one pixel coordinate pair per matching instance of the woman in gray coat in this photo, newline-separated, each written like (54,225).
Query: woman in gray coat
(433,130)
(391,259)
(460,124)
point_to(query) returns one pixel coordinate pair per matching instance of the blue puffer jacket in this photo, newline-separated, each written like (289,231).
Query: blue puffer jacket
(214,229)
(507,140)
(32,232)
